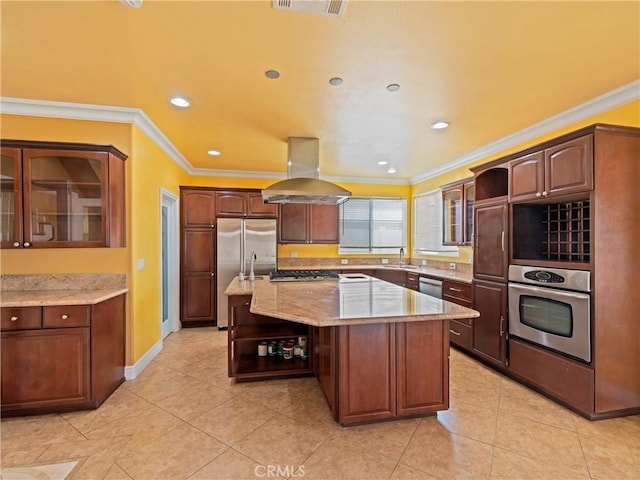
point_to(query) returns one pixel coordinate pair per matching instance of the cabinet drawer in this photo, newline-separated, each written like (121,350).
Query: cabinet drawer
(21,318)
(413,281)
(65,316)
(460,334)
(457,290)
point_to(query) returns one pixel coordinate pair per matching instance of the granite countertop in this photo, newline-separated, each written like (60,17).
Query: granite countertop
(346,301)
(465,277)
(35,290)
(37,298)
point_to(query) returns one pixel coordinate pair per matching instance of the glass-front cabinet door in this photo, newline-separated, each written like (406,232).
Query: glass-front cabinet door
(64,197)
(453,222)
(469,201)
(11,197)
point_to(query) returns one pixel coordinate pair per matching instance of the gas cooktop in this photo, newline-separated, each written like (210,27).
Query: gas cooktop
(302,275)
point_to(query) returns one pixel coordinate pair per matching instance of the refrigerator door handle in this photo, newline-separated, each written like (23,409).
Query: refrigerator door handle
(242,233)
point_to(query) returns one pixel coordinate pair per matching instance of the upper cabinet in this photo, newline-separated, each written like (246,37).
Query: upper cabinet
(61,195)
(238,203)
(562,169)
(198,208)
(457,205)
(305,223)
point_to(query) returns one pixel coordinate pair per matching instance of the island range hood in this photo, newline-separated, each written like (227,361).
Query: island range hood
(302,184)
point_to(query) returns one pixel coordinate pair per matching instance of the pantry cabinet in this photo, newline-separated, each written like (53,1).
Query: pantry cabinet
(560,170)
(490,329)
(61,195)
(58,358)
(198,257)
(305,223)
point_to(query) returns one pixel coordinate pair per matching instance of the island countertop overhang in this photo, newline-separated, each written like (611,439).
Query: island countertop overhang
(345,302)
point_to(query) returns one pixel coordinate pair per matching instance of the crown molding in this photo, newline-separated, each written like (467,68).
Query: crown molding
(615,98)
(137,117)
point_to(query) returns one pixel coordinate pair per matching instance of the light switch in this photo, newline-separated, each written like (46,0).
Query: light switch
(344,261)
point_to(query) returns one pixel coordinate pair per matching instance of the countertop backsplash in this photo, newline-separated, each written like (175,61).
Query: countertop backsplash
(63,281)
(292,263)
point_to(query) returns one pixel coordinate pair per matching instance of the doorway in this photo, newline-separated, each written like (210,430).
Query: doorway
(169,266)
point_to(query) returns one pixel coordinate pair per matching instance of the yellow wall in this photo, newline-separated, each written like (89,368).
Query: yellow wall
(66,260)
(151,170)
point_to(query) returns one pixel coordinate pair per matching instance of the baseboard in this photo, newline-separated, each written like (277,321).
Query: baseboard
(132,371)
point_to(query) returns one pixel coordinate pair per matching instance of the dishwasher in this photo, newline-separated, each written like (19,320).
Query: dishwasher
(431,286)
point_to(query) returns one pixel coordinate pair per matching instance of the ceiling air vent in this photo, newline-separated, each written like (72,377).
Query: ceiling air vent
(333,8)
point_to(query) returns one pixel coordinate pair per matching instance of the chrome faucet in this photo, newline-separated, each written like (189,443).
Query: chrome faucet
(252,275)
(401,260)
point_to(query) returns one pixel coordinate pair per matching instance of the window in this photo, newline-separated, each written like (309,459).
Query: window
(373,225)
(427,226)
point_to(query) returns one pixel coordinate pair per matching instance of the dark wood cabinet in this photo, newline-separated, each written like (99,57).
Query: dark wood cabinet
(198,208)
(62,195)
(490,329)
(304,223)
(242,203)
(396,276)
(246,330)
(490,260)
(57,358)
(413,281)
(560,170)
(386,371)
(457,204)
(460,331)
(198,257)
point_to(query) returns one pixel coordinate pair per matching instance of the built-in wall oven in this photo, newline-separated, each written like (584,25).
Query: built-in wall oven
(551,307)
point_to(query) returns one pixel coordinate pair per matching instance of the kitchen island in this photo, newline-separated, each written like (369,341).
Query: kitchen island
(379,351)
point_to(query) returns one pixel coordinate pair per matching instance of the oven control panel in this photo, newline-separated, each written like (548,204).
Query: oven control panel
(544,276)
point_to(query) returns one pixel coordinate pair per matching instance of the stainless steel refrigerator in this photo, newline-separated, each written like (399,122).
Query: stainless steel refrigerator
(238,240)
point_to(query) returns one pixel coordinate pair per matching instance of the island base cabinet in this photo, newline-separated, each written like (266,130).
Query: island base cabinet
(366,373)
(388,370)
(45,369)
(422,367)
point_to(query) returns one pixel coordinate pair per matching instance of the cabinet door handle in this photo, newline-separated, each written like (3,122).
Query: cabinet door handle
(454,289)
(16,244)
(27,244)
(213,274)
(502,240)
(14,319)
(545,193)
(454,332)
(64,316)
(538,194)
(213,226)
(501,325)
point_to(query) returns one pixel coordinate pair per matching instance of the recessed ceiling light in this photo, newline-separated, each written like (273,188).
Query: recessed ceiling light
(393,87)
(440,125)
(273,74)
(336,81)
(180,102)
(391,170)
(382,162)
(132,3)
(213,152)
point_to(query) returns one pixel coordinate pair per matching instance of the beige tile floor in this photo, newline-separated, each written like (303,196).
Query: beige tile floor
(182,418)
